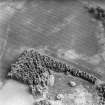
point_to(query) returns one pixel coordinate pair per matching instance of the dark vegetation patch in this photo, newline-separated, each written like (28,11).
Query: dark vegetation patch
(101,93)
(97,12)
(35,62)
(28,70)
(34,69)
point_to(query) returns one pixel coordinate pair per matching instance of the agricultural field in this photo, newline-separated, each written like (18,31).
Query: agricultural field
(52,52)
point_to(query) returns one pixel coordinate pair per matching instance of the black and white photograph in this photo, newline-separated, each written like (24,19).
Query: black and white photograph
(52,52)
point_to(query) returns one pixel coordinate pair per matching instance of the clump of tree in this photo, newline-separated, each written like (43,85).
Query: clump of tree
(28,69)
(96,11)
(34,69)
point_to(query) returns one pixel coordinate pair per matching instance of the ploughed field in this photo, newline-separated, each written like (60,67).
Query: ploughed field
(67,61)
